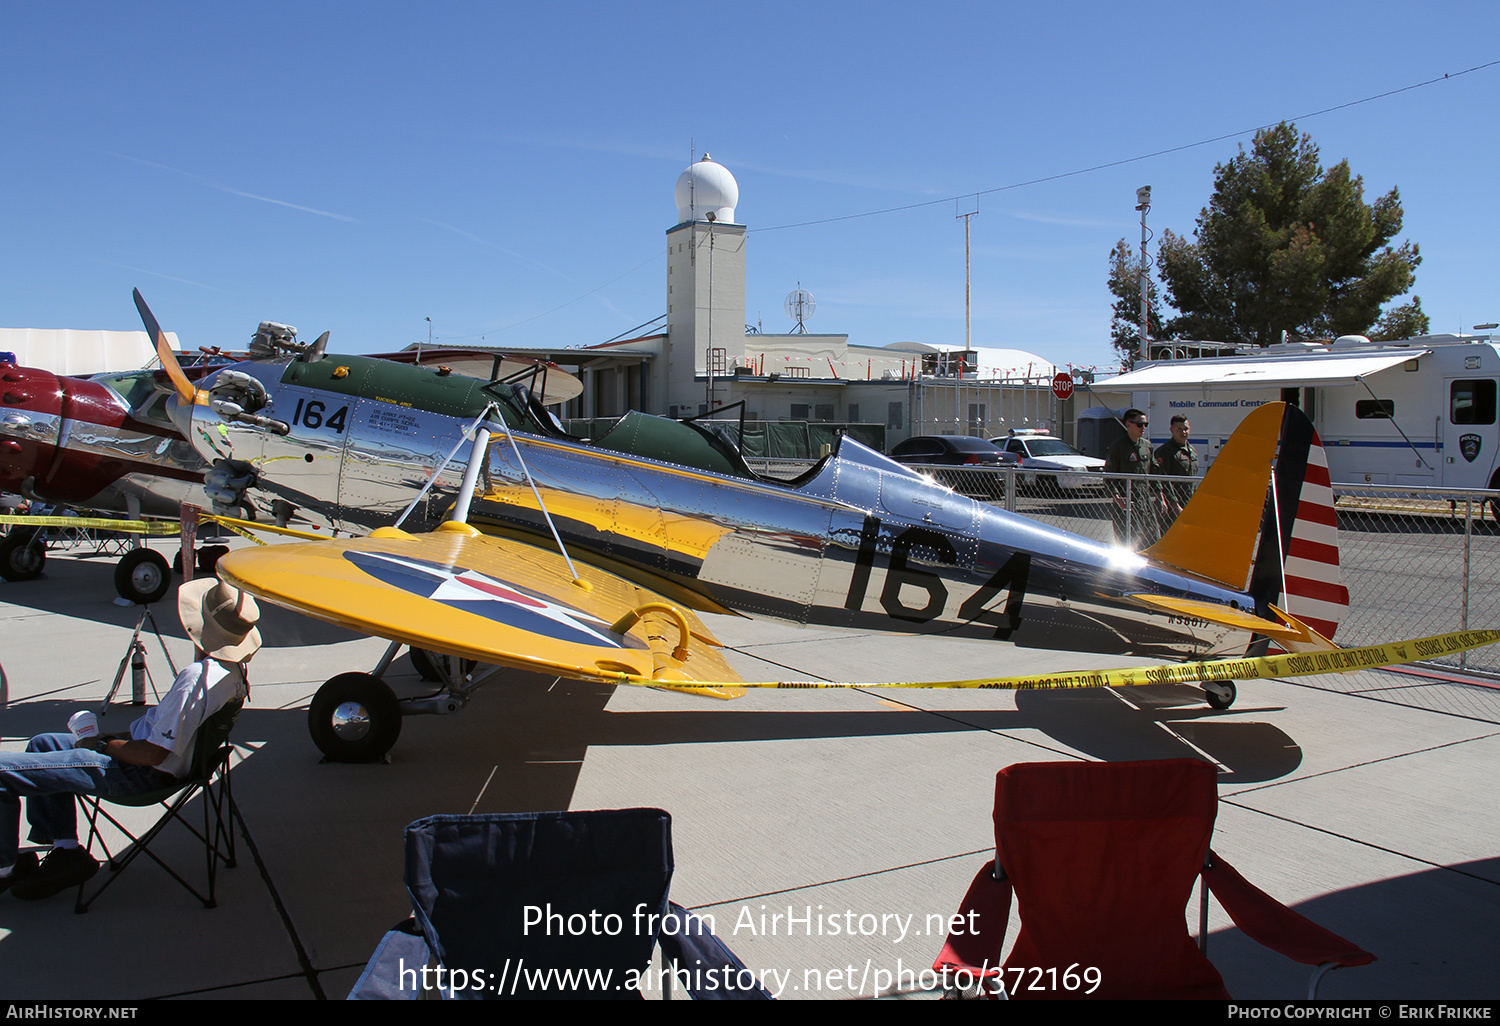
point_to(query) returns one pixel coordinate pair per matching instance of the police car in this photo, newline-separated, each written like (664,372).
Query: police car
(1054,464)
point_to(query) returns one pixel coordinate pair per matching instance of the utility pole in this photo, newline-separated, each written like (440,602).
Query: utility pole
(965,214)
(710,361)
(1143,204)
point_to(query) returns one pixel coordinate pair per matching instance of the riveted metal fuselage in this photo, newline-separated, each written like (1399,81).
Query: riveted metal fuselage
(860,541)
(77,442)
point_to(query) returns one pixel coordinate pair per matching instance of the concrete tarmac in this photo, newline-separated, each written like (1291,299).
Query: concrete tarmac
(1374,817)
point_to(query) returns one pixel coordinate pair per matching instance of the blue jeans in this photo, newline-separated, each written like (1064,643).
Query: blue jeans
(49,773)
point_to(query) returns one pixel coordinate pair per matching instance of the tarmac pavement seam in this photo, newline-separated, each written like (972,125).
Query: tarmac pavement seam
(812,885)
(951,717)
(1367,762)
(1371,694)
(1355,840)
(309,973)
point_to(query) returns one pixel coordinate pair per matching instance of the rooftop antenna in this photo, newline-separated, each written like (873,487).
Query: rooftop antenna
(799,307)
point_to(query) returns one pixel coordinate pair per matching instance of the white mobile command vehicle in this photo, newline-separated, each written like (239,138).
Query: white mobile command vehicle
(1417,412)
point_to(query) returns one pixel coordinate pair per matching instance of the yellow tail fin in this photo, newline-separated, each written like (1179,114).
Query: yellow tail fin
(1214,537)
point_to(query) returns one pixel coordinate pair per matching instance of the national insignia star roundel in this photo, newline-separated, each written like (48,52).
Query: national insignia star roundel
(473,592)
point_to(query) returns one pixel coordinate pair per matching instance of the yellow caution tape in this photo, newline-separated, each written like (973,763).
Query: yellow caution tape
(158,528)
(147,527)
(243,527)
(233,527)
(1252,668)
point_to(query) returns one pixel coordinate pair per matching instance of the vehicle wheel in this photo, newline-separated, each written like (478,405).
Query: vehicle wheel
(1220,694)
(22,555)
(209,556)
(354,717)
(428,665)
(142,576)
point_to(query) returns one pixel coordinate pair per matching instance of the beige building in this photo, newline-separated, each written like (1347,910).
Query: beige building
(709,358)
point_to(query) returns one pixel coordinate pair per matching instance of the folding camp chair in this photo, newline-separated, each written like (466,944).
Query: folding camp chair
(541,905)
(1102,857)
(208,776)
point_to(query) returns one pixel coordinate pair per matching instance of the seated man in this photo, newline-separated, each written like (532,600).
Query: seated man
(221,622)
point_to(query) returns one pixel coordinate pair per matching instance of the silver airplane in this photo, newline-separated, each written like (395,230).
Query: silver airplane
(353,443)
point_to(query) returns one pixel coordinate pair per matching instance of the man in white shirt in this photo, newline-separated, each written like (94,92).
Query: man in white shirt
(221,622)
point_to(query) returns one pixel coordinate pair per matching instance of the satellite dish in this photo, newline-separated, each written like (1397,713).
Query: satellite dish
(800,306)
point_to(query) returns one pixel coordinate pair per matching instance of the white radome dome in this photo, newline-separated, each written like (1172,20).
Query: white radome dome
(706,188)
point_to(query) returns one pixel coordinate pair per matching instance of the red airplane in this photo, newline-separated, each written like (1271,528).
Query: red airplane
(104,442)
(101,443)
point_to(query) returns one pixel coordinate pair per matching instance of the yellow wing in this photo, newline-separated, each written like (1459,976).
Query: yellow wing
(495,600)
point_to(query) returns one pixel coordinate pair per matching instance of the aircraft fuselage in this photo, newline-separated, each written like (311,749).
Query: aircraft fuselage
(75,441)
(860,541)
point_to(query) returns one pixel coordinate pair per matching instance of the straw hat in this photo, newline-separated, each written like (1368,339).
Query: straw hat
(221,620)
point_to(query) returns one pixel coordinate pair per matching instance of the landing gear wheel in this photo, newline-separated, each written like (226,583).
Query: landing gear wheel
(22,555)
(430,666)
(1220,694)
(209,556)
(142,576)
(354,717)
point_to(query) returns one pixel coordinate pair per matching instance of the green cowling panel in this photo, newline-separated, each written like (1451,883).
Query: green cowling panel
(451,395)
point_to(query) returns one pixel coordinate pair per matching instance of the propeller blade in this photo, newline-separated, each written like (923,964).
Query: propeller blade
(186,393)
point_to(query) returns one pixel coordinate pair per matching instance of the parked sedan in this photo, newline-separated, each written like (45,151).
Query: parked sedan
(959,451)
(1056,465)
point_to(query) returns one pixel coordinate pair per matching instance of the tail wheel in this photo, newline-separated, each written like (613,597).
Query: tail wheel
(1220,694)
(354,717)
(142,576)
(23,553)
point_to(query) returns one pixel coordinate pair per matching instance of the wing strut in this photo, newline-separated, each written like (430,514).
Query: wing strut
(579,581)
(432,478)
(471,478)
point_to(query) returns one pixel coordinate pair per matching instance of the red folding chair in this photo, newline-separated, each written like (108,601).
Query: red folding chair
(1101,858)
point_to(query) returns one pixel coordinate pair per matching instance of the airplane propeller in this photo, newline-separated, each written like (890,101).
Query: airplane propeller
(187,394)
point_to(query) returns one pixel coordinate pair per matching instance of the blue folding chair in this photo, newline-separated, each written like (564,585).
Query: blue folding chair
(543,905)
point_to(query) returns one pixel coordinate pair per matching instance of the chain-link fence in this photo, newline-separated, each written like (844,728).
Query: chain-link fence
(1416,561)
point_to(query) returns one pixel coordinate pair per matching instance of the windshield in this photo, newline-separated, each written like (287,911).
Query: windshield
(1050,447)
(521,410)
(134,387)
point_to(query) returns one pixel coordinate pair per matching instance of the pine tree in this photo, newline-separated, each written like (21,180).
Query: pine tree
(1125,286)
(1287,245)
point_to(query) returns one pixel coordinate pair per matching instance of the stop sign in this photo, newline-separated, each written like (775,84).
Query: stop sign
(1062,385)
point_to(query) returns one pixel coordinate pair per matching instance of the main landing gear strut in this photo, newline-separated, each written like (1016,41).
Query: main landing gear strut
(356,717)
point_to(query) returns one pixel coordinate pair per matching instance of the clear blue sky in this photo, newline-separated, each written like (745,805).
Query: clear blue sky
(507,169)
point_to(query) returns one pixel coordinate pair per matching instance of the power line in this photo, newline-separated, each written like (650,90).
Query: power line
(1131,160)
